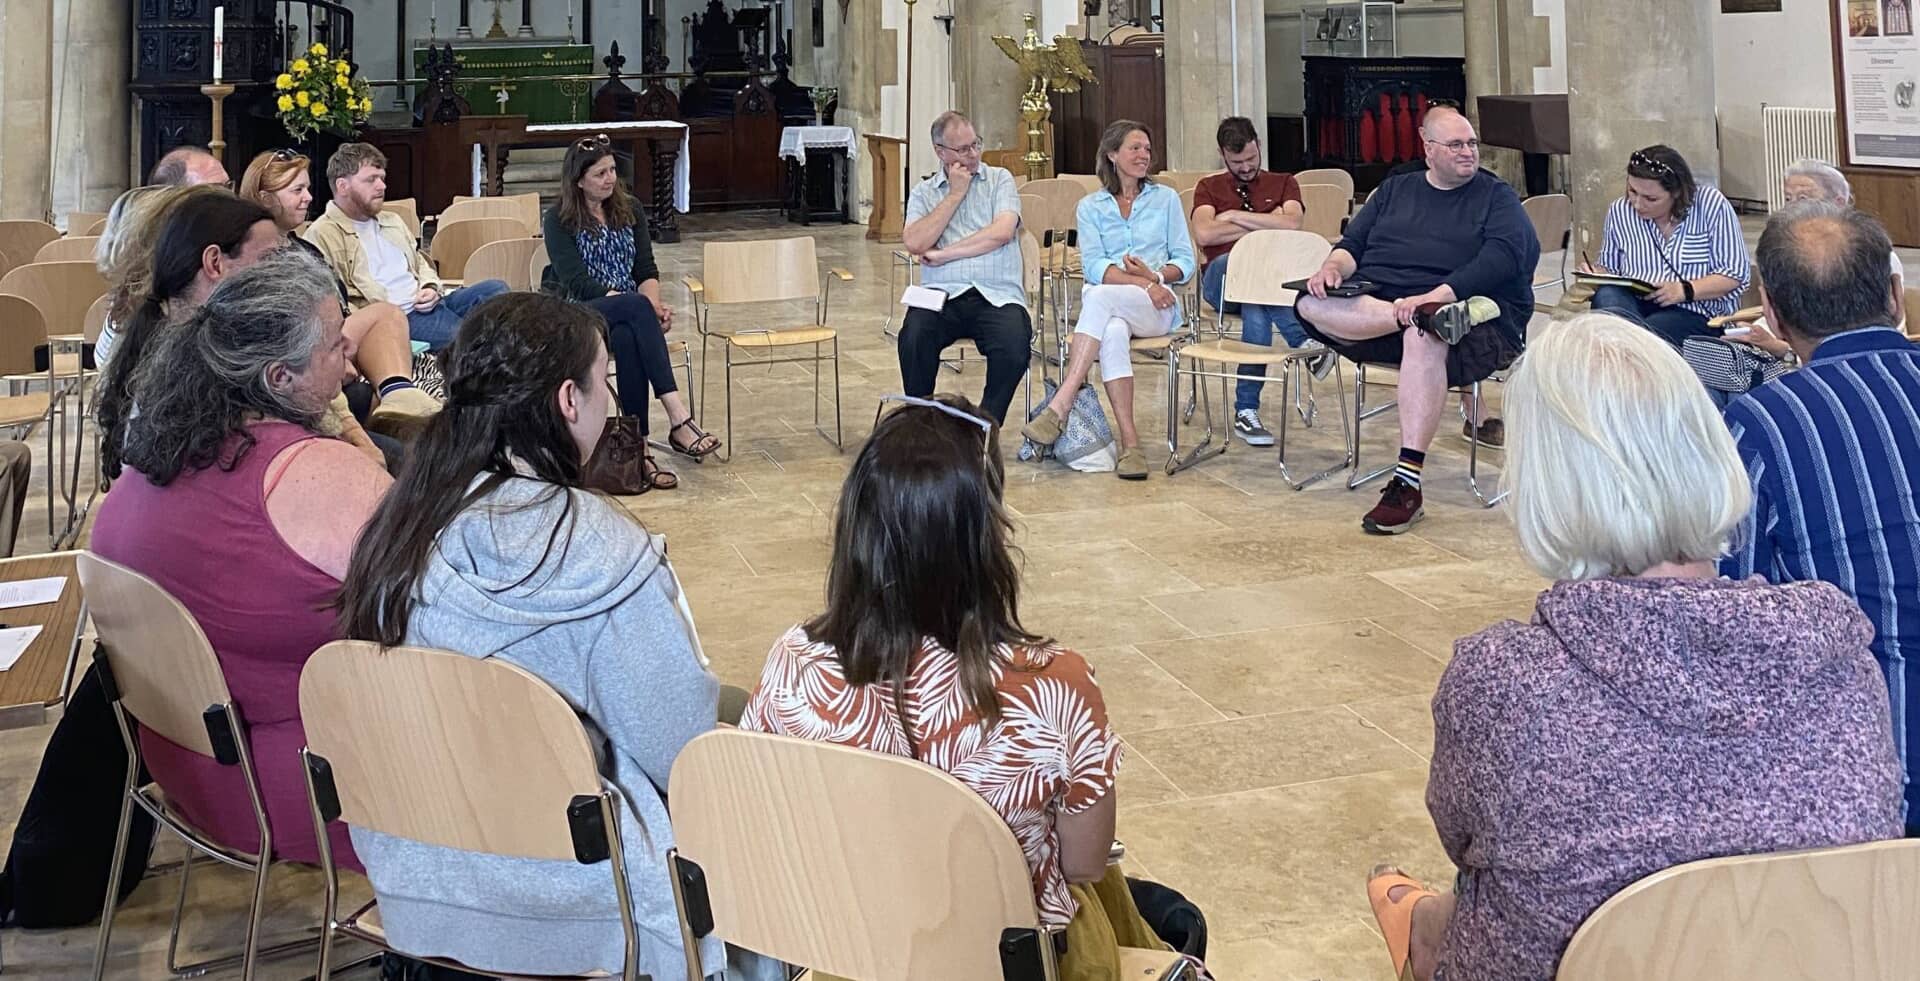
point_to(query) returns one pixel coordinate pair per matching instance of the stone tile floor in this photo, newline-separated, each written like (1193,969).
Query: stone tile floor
(1267,664)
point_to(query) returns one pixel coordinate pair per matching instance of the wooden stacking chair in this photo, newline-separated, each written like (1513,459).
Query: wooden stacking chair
(68,248)
(82,222)
(537,265)
(1182,180)
(759,272)
(1262,261)
(161,676)
(524,208)
(509,260)
(63,292)
(1089,183)
(409,211)
(1328,175)
(455,241)
(23,332)
(919,878)
(1836,914)
(1552,218)
(460,752)
(1327,206)
(20,240)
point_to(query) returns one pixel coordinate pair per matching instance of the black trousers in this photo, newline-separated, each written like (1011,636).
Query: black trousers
(1003,336)
(638,349)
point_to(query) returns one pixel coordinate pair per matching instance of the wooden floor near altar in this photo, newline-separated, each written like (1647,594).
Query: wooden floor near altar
(1268,665)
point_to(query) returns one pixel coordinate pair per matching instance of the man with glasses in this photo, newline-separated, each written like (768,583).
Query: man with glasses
(1450,256)
(1226,206)
(373,252)
(963,225)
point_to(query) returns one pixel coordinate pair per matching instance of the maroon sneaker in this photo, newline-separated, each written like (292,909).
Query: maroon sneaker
(1398,509)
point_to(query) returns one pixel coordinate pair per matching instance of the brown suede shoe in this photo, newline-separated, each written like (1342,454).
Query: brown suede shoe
(1132,464)
(1044,429)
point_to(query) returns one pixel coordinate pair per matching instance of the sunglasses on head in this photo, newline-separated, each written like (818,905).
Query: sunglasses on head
(600,142)
(1657,167)
(285,154)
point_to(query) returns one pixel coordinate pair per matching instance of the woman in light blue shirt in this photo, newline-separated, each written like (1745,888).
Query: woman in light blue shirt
(1134,249)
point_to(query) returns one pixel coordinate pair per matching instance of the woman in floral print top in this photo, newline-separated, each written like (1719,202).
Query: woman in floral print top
(921,653)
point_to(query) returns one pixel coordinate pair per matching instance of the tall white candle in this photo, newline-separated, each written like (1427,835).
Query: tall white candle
(219,40)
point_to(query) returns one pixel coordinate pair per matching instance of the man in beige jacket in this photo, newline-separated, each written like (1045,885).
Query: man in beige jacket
(373,252)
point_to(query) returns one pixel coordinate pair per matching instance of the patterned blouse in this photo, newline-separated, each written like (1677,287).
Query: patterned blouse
(609,256)
(1052,750)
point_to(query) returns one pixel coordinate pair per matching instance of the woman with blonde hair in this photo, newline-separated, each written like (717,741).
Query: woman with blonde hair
(1651,713)
(124,254)
(278,180)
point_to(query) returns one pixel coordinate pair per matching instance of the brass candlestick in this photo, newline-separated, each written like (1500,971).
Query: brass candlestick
(217,93)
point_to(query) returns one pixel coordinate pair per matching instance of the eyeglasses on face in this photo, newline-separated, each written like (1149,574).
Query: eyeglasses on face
(975,147)
(1455,146)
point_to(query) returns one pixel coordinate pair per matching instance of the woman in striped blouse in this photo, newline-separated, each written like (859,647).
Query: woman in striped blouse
(1681,236)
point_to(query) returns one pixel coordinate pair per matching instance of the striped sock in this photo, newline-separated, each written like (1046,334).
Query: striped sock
(394,384)
(1410,465)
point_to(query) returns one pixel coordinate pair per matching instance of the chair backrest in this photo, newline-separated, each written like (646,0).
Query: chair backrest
(1059,204)
(62,290)
(22,329)
(762,271)
(508,260)
(1186,208)
(409,211)
(97,318)
(455,241)
(1264,259)
(1089,183)
(917,877)
(1839,914)
(1328,175)
(82,222)
(162,665)
(537,264)
(1913,311)
(1030,262)
(449,750)
(524,207)
(68,248)
(96,229)
(1552,217)
(1327,206)
(20,240)
(1182,180)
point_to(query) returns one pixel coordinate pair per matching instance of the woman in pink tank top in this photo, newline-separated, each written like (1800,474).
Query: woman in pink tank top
(240,507)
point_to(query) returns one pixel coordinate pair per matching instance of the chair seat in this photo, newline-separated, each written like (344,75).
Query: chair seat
(1148,965)
(365,925)
(1144,345)
(19,410)
(783,338)
(1240,352)
(64,366)
(676,347)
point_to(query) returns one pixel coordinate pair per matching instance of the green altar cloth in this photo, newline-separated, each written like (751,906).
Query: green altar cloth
(521,65)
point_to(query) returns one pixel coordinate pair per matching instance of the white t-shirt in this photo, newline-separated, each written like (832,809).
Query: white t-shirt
(390,266)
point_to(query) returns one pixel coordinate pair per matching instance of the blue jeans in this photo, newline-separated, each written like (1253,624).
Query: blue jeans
(1257,324)
(1673,324)
(436,327)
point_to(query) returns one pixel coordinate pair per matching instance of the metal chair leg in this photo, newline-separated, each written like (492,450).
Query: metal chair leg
(1360,414)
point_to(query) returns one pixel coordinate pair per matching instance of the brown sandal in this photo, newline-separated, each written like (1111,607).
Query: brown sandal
(693,450)
(656,476)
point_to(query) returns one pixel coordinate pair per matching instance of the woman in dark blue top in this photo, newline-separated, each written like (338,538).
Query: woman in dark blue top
(600,253)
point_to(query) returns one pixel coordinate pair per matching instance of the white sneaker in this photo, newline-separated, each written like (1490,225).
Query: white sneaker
(1246,423)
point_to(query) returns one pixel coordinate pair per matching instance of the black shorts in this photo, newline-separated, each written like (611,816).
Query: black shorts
(1485,350)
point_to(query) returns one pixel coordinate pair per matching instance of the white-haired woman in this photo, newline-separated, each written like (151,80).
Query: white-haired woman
(1651,713)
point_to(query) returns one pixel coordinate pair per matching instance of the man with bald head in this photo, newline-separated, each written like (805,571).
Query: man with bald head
(185,166)
(1833,450)
(1449,255)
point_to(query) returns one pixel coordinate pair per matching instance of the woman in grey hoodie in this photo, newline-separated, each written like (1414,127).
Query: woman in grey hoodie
(1651,714)
(487,545)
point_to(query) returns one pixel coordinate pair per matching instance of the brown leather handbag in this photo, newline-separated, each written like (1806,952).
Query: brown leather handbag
(618,465)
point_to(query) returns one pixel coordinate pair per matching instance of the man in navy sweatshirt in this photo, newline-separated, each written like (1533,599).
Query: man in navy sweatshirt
(1451,255)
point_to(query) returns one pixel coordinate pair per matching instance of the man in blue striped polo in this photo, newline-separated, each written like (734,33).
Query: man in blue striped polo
(963,225)
(1833,449)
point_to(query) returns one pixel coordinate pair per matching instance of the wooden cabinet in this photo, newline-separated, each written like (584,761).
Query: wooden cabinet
(1132,85)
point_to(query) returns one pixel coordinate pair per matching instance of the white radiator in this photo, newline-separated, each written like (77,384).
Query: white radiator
(1788,136)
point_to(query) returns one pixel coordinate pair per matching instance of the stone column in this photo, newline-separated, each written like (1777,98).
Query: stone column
(987,81)
(94,113)
(1216,66)
(803,71)
(1505,42)
(1623,95)
(26,107)
(864,56)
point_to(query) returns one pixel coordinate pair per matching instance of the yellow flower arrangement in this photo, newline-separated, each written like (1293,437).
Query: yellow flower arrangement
(320,92)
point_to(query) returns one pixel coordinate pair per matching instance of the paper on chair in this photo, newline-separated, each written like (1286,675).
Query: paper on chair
(14,643)
(31,592)
(924,298)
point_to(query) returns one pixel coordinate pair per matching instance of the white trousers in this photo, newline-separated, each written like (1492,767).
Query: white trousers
(1113,314)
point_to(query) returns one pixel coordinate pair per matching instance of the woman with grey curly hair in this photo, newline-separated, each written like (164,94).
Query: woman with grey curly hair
(239,505)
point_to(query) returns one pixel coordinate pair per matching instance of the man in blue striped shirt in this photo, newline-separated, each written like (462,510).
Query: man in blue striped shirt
(1833,449)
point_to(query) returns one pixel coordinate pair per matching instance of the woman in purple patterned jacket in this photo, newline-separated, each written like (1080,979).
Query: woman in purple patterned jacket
(1651,714)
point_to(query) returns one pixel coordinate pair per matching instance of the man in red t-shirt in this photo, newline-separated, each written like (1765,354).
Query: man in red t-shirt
(1226,207)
